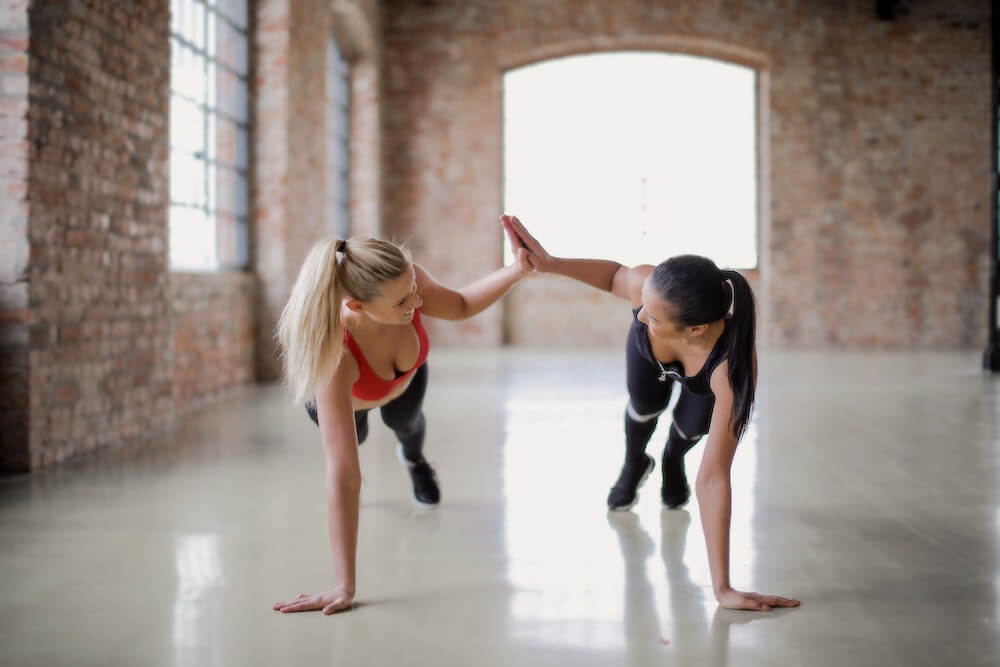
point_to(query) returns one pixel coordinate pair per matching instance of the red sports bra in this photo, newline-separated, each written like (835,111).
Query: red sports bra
(371,387)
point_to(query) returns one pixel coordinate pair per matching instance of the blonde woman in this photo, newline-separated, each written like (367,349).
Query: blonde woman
(352,338)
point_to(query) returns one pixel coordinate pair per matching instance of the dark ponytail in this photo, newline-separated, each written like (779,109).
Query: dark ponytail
(740,351)
(700,293)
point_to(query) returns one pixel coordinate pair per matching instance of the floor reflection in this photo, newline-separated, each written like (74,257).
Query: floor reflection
(199,573)
(562,568)
(875,502)
(565,569)
(691,623)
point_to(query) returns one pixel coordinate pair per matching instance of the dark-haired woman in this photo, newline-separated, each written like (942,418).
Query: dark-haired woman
(694,325)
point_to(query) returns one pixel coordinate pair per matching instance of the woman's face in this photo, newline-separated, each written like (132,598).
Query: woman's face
(396,301)
(657,313)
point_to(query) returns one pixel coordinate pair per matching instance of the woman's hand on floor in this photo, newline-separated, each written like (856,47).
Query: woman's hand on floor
(339,599)
(733,599)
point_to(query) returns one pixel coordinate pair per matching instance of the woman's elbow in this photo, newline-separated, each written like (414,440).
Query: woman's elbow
(340,482)
(709,481)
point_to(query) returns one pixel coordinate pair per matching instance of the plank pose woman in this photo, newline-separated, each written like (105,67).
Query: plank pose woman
(351,335)
(693,325)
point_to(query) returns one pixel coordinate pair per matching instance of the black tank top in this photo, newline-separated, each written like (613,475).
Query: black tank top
(700,382)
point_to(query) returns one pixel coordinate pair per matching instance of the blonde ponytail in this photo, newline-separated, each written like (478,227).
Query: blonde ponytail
(310,323)
(309,330)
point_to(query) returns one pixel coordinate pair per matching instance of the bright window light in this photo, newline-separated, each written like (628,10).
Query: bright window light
(209,130)
(634,157)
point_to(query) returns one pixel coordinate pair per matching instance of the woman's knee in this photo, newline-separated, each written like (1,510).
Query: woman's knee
(693,416)
(404,425)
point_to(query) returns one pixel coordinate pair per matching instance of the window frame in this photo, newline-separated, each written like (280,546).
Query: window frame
(218,20)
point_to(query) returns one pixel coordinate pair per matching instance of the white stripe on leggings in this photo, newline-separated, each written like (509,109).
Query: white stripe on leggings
(635,416)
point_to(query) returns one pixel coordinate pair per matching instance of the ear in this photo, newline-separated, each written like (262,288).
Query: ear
(354,305)
(697,330)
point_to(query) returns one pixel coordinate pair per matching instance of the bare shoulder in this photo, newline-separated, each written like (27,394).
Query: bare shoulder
(628,280)
(428,285)
(638,277)
(342,380)
(641,272)
(719,381)
(424,277)
(348,370)
(439,300)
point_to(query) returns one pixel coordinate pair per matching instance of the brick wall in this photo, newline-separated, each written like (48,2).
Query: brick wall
(97,278)
(878,163)
(99,343)
(213,331)
(880,234)
(878,176)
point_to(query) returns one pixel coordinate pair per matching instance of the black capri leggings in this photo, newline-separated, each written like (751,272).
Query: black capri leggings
(648,398)
(403,414)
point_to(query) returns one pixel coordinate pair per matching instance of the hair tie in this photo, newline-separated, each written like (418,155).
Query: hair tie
(732,298)
(341,246)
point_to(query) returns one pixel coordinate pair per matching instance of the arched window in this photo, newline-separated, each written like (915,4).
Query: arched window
(634,156)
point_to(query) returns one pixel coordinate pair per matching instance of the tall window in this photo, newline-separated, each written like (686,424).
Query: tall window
(337,142)
(209,108)
(634,156)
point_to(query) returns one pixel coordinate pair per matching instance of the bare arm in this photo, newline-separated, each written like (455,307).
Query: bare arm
(343,469)
(714,490)
(343,489)
(713,482)
(622,281)
(450,304)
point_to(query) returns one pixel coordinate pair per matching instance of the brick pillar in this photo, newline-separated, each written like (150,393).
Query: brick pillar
(269,189)
(366,187)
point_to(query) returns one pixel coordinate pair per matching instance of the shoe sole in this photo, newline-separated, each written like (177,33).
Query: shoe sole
(406,464)
(642,480)
(677,506)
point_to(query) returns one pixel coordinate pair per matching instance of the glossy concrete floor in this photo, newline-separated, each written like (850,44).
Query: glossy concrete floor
(868,487)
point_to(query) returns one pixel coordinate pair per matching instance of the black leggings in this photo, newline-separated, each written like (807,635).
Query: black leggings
(648,398)
(403,414)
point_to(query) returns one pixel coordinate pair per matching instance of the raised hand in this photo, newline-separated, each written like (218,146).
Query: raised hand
(733,599)
(520,239)
(331,602)
(523,259)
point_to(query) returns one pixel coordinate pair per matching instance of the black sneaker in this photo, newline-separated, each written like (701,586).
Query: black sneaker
(675,491)
(425,486)
(624,493)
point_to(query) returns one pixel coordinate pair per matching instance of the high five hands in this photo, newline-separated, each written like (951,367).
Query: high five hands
(531,256)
